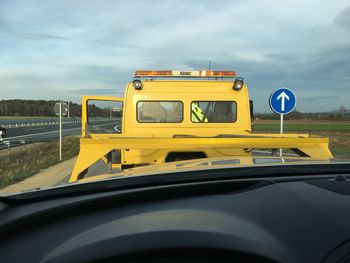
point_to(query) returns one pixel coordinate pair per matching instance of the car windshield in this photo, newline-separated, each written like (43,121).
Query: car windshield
(97,90)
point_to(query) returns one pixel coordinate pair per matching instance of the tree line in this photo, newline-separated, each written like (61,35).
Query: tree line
(45,108)
(34,108)
(342,114)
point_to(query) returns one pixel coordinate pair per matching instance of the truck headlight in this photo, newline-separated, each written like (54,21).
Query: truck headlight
(238,85)
(137,84)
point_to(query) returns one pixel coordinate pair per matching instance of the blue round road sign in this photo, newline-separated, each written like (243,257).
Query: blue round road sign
(282,101)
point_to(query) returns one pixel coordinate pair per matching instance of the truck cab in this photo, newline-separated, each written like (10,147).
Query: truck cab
(184,104)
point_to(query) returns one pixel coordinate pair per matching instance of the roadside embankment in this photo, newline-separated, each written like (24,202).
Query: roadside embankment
(54,175)
(23,162)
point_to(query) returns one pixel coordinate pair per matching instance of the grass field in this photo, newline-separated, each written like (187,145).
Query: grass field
(31,159)
(304,127)
(338,132)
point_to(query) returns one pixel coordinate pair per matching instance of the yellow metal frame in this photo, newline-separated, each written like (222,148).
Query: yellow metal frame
(94,149)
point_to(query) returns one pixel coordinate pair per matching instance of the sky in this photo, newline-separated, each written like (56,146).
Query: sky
(65,49)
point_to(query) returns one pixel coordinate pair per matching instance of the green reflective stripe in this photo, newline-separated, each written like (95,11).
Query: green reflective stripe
(198,114)
(195,117)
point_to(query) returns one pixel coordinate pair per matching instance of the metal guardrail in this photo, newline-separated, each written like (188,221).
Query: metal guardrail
(35,124)
(43,123)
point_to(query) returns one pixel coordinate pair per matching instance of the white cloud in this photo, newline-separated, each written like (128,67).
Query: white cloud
(50,46)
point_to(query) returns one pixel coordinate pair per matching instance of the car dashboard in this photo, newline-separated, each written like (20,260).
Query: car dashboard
(279,219)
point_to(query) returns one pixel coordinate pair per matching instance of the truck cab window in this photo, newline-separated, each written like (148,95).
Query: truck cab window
(160,111)
(213,111)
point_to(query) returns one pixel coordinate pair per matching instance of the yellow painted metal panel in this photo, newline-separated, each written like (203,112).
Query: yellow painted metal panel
(92,149)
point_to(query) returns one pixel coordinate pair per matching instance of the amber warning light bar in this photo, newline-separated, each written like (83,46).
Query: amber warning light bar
(185,73)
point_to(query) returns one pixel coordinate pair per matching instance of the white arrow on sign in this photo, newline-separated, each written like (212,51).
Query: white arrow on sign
(283,96)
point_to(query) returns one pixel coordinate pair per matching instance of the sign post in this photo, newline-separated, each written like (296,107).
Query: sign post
(61,109)
(282,101)
(60,131)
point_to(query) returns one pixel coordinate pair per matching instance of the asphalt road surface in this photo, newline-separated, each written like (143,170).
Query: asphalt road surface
(25,135)
(22,135)
(41,132)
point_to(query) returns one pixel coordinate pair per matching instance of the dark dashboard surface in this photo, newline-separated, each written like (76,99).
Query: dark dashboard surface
(246,221)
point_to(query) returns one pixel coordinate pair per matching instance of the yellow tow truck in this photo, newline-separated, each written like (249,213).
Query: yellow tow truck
(173,115)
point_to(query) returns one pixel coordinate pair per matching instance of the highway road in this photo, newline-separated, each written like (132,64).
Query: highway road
(41,132)
(45,132)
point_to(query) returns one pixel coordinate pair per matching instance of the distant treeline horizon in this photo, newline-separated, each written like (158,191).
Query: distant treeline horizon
(42,108)
(341,114)
(45,108)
